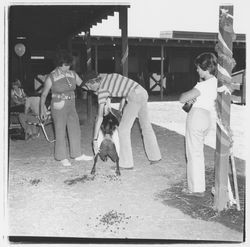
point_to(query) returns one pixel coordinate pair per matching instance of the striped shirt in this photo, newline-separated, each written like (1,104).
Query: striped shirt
(115,85)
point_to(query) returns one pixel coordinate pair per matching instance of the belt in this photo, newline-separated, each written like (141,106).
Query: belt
(63,96)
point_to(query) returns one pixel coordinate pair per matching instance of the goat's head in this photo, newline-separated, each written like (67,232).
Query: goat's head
(109,123)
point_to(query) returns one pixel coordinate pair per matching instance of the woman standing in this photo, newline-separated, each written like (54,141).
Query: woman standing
(198,122)
(62,81)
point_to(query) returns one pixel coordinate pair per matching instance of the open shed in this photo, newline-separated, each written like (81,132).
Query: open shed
(50,27)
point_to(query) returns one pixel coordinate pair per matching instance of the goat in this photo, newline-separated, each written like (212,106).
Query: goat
(108,141)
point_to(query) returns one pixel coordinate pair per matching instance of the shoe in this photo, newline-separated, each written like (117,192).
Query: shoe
(196,194)
(28,136)
(35,135)
(153,162)
(84,157)
(65,162)
(126,168)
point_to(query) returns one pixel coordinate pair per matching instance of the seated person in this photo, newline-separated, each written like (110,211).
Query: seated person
(18,97)
(32,106)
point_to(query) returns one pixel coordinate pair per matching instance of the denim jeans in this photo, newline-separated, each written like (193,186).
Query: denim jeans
(137,107)
(65,117)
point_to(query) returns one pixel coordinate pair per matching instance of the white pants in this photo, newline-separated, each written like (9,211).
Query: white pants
(198,124)
(137,107)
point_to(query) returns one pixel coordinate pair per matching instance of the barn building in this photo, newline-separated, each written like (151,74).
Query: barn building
(163,65)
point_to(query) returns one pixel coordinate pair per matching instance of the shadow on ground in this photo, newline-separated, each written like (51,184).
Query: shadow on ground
(202,208)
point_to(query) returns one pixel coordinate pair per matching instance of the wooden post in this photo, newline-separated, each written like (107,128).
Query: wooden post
(223,140)
(162,70)
(96,58)
(89,68)
(69,41)
(243,97)
(123,25)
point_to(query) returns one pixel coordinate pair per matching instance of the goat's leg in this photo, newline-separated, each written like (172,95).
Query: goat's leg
(118,173)
(95,161)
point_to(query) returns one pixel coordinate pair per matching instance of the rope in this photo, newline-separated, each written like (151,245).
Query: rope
(125,55)
(224,56)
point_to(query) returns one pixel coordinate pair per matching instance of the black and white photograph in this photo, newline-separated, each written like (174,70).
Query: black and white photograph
(124,122)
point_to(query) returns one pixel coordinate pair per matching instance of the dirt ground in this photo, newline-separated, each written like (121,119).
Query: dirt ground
(46,199)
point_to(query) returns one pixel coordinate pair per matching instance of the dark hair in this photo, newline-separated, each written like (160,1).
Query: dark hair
(16,82)
(63,57)
(207,61)
(89,75)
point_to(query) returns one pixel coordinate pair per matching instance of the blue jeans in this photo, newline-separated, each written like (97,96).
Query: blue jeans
(65,117)
(137,107)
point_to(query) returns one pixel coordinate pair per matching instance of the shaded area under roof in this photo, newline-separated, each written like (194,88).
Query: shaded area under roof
(45,26)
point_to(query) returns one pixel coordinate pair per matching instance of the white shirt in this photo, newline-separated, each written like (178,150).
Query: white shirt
(208,94)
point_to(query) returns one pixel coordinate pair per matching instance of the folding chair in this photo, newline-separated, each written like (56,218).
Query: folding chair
(42,123)
(13,120)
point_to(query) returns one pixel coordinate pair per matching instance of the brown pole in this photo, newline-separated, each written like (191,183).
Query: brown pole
(123,25)
(96,59)
(89,67)
(162,70)
(223,137)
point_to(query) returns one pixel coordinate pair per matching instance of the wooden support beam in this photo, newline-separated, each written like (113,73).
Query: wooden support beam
(96,58)
(224,49)
(162,70)
(89,68)
(243,98)
(70,43)
(123,25)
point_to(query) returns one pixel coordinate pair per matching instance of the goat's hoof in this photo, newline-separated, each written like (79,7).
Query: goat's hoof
(118,173)
(92,172)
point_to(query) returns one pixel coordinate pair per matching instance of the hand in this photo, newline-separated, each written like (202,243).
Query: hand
(119,115)
(95,147)
(191,101)
(43,114)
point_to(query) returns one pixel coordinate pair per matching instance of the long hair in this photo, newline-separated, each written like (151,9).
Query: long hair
(207,61)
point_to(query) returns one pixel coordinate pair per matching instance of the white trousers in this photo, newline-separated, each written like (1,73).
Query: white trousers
(198,124)
(137,107)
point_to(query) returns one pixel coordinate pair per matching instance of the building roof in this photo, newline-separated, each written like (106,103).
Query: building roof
(169,39)
(44,26)
(187,35)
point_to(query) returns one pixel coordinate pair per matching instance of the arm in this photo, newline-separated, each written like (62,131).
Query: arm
(98,121)
(46,89)
(189,95)
(23,93)
(78,80)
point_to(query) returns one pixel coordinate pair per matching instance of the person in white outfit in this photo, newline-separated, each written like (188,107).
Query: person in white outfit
(198,121)
(133,104)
